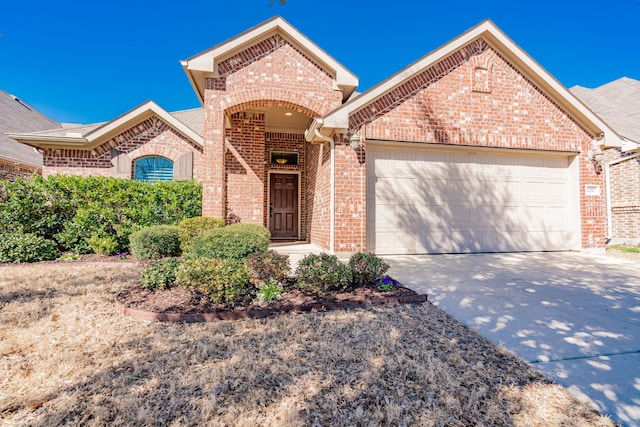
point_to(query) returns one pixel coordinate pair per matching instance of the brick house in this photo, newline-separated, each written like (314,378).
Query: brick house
(618,103)
(473,148)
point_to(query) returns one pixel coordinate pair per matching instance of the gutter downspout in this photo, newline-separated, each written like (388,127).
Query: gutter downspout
(607,183)
(332,183)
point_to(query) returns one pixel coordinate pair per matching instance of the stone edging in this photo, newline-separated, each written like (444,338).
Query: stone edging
(260,313)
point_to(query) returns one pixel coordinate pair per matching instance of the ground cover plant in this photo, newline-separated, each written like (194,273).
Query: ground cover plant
(67,358)
(92,214)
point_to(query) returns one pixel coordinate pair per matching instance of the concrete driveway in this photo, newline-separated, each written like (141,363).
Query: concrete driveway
(575,317)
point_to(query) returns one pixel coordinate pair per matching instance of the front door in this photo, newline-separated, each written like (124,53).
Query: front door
(283,209)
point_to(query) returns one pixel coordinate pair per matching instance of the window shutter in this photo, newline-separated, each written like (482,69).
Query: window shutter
(120,164)
(183,167)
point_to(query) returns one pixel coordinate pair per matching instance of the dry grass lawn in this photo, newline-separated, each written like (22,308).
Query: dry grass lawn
(67,358)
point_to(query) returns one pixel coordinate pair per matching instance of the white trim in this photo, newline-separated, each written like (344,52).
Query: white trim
(489,32)
(285,172)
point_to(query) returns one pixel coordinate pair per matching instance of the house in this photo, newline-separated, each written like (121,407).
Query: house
(618,103)
(18,160)
(472,148)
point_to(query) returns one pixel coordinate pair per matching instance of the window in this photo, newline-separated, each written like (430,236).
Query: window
(153,169)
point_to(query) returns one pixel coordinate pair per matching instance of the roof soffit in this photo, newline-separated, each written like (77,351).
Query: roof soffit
(498,41)
(205,64)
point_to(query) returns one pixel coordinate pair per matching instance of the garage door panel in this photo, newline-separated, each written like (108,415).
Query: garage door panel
(459,202)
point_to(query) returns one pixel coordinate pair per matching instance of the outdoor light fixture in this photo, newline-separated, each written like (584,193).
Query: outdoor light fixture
(596,155)
(354,142)
(281,160)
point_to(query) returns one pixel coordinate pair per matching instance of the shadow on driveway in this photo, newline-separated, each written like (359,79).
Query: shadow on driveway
(575,317)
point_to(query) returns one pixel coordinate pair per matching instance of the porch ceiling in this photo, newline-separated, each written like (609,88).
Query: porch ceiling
(282,120)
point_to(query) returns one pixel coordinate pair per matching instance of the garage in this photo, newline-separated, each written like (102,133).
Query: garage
(449,199)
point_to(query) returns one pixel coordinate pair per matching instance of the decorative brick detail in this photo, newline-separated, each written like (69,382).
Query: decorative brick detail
(13,171)
(271,73)
(151,137)
(259,51)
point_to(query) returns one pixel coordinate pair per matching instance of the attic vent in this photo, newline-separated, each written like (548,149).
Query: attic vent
(481,80)
(19,101)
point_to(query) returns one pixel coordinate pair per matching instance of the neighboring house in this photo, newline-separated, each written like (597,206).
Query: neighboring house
(473,148)
(618,103)
(16,159)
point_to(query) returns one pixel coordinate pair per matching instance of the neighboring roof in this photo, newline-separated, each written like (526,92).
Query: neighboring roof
(618,103)
(204,64)
(87,137)
(17,116)
(490,33)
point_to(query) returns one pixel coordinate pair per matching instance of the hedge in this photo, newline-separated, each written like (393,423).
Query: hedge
(236,241)
(72,210)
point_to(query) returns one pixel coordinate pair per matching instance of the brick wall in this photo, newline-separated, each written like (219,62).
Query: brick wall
(625,197)
(318,195)
(11,171)
(272,73)
(453,103)
(246,174)
(151,137)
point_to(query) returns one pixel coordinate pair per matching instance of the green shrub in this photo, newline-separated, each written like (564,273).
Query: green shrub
(157,241)
(269,290)
(224,281)
(160,274)
(103,245)
(366,268)
(192,227)
(236,241)
(20,247)
(322,273)
(70,209)
(269,265)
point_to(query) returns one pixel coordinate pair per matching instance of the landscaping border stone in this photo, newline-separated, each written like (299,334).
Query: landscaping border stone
(261,313)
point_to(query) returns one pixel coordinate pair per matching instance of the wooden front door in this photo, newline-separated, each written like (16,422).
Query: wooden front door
(283,209)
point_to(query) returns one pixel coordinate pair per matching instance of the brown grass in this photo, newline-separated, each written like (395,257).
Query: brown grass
(67,358)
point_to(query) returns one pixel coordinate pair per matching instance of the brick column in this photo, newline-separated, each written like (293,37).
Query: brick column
(213,182)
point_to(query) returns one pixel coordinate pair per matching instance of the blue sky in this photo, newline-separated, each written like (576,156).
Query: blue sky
(90,61)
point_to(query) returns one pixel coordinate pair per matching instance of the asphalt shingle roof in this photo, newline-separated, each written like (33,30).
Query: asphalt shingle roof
(16,116)
(617,103)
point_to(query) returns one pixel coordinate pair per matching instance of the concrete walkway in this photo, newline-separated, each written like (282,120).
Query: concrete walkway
(575,317)
(295,250)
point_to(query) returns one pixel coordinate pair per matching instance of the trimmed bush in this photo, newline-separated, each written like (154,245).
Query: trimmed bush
(70,210)
(29,247)
(223,281)
(366,268)
(236,241)
(103,245)
(160,274)
(157,241)
(270,265)
(192,227)
(322,273)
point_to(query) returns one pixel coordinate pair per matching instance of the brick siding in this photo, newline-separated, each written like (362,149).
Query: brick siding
(625,197)
(151,137)
(11,171)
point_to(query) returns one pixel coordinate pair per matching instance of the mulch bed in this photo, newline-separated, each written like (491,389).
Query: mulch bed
(177,305)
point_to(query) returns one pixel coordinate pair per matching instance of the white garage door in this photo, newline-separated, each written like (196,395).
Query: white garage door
(468,200)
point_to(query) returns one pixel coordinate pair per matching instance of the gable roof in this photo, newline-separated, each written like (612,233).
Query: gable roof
(87,137)
(205,64)
(490,33)
(618,103)
(17,116)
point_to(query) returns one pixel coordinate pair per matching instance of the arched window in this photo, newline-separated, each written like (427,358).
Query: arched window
(153,169)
